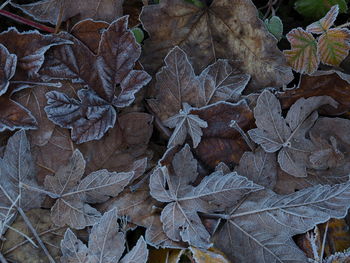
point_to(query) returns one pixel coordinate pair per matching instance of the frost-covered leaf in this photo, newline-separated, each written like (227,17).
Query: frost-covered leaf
(73,249)
(30,48)
(259,167)
(17,174)
(221,82)
(8,64)
(49,10)
(303,55)
(266,222)
(287,135)
(89,119)
(180,216)
(106,244)
(185,123)
(211,31)
(318,8)
(325,22)
(14,116)
(111,67)
(139,253)
(74,193)
(207,256)
(334,46)
(122,145)
(176,84)
(219,142)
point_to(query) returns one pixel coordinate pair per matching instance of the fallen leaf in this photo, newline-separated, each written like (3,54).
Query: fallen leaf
(122,145)
(219,142)
(93,114)
(8,68)
(303,56)
(259,167)
(74,193)
(185,123)
(18,175)
(106,244)
(266,222)
(211,31)
(323,84)
(287,135)
(179,217)
(49,10)
(207,256)
(49,233)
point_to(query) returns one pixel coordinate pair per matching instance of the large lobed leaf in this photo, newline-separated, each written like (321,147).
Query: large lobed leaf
(266,222)
(73,193)
(211,31)
(287,135)
(106,244)
(183,202)
(93,114)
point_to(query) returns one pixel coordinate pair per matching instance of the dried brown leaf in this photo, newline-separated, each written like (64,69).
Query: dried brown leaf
(214,31)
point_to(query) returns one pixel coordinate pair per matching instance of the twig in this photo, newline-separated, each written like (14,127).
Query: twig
(3,259)
(5,4)
(324,241)
(22,234)
(26,241)
(30,226)
(27,21)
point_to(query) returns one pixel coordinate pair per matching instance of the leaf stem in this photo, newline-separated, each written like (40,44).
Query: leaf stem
(214,216)
(49,84)
(343,25)
(39,190)
(235,125)
(27,21)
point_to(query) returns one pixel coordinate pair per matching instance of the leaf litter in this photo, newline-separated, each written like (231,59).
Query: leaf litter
(188,143)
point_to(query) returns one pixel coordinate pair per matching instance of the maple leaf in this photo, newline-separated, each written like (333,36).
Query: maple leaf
(266,222)
(18,175)
(177,84)
(211,31)
(49,10)
(122,145)
(93,114)
(21,55)
(287,135)
(106,244)
(259,167)
(183,201)
(185,123)
(74,193)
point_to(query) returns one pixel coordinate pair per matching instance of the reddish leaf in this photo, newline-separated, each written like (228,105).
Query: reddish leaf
(303,56)
(220,143)
(8,64)
(113,65)
(324,23)
(323,84)
(49,10)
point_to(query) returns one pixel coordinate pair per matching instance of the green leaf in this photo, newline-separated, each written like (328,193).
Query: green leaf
(303,55)
(275,27)
(318,8)
(138,33)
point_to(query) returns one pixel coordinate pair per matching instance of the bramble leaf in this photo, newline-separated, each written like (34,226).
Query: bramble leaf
(303,56)
(325,23)
(318,8)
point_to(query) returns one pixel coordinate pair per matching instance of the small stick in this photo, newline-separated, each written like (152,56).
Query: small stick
(27,21)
